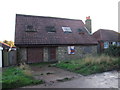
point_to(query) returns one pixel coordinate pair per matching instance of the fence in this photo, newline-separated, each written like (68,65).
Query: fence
(9,58)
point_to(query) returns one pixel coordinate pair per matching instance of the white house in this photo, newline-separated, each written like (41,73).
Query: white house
(1,56)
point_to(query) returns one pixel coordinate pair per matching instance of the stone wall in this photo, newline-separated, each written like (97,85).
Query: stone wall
(21,55)
(80,52)
(45,55)
(61,53)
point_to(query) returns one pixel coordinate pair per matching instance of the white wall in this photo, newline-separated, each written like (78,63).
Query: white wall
(1,56)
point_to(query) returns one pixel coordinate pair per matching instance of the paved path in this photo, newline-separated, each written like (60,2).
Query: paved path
(51,75)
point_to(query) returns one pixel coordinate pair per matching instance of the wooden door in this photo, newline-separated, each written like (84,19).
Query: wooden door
(35,55)
(52,53)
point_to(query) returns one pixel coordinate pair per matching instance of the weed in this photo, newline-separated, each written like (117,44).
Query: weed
(14,77)
(90,64)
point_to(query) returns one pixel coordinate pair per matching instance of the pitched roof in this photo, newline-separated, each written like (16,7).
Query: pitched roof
(106,35)
(42,37)
(4,45)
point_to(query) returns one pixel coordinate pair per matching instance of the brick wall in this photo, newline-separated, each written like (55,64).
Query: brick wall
(21,55)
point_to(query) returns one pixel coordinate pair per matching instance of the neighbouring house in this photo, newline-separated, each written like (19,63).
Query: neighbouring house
(8,55)
(106,38)
(47,39)
(1,55)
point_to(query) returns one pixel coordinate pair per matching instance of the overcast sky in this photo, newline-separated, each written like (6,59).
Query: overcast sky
(104,13)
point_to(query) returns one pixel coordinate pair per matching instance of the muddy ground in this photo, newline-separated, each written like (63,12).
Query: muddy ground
(59,78)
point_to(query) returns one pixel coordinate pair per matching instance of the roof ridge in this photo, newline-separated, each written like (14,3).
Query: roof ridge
(47,17)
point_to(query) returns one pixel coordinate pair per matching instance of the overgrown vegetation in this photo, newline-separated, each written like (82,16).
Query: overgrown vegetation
(14,77)
(113,50)
(90,65)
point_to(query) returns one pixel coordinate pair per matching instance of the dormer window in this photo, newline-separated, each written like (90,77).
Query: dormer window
(50,29)
(67,29)
(80,31)
(30,28)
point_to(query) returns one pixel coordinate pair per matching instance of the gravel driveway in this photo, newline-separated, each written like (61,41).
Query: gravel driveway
(59,78)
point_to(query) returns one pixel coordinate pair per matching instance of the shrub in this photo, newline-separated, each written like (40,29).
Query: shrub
(113,50)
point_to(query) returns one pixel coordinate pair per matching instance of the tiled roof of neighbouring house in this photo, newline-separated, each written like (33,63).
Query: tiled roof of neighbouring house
(4,45)
(41,37)
(106,35)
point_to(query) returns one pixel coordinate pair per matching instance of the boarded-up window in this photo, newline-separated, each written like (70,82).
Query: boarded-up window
(71,50)
(50,29)
(30,28)
(80,31)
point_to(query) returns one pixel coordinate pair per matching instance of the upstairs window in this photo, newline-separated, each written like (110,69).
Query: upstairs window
(80,31)
(30,28)
(67,29)
(50,29)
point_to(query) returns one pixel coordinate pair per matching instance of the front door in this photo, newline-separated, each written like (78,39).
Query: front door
(52,53)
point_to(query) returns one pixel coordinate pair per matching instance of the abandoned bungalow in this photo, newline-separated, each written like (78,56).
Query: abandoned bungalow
(106,38)
(47,39)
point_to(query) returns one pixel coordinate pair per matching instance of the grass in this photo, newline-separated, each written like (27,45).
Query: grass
(90,65)
(15,77)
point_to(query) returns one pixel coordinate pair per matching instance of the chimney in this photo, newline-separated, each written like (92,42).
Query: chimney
(88,24)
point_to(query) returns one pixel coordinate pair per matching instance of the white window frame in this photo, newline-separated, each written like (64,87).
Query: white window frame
(70,48)
(113,43)
(106,45)
(66,29)
(118,43)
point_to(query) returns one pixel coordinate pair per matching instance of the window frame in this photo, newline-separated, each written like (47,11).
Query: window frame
(66,29)
(50,29)
(71,50)
(30,29)
(106,45)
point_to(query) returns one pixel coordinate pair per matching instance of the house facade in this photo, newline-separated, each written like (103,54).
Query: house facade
(106,38)
(1,55)
(47,39)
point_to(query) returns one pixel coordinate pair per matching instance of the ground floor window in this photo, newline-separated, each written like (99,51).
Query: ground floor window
(71,49)
(113,43)
(106,45)
(118,43)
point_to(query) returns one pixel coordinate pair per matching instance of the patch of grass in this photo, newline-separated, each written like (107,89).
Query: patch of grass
(90,65)
(14,77)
